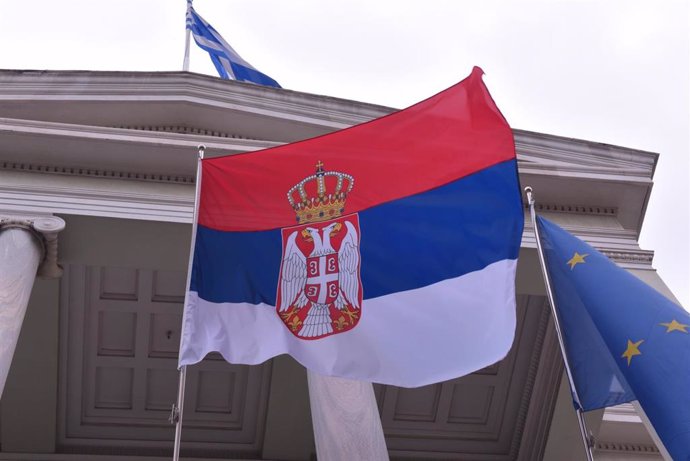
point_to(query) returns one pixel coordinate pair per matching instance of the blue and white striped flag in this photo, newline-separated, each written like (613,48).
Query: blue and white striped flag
(229,64)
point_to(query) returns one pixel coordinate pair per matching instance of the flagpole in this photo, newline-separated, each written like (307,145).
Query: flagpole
(185,62)
(176,413)
(586,439)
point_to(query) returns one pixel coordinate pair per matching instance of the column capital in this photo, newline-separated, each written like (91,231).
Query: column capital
(45,228)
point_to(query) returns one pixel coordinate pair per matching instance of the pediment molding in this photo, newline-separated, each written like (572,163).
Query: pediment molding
(96,173)
(177,135)
(84,195)
(184,129)
(145,127)
(627,165)
(543,152)
(575,209)
(619,245)
(222,103)
(628,448)
(184,87)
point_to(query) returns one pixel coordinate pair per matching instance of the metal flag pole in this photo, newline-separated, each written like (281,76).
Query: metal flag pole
(185,62)
(587,440)
(176,412)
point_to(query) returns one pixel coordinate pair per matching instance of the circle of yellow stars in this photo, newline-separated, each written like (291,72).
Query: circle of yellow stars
(633,348)
(577,259)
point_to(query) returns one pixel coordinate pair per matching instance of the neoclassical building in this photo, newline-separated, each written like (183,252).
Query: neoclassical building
(96,195)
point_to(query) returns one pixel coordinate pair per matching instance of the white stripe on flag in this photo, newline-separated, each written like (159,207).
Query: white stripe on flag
(434,333)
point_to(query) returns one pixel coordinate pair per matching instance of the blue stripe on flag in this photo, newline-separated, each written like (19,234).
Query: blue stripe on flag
(248,74)
(448,232)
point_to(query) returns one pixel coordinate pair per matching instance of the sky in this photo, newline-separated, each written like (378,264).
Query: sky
(610,71)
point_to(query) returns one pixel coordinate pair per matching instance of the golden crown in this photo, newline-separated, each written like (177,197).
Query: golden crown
(327,204)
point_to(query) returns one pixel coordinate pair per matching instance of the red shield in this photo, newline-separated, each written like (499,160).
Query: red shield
(322,278)
(309,299)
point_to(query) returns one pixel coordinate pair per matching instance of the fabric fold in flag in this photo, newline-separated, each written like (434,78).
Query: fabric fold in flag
(624,340)
(228,63)
(385,252)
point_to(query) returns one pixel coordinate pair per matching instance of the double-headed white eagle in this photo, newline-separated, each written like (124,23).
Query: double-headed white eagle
(294,276)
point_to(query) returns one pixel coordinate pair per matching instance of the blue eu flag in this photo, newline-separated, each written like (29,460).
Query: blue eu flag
(624,340)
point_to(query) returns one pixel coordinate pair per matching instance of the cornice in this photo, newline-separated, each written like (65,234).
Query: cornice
(631,258)
(145,126)
(619,245)
(188,130)
(96,173)
(548,152)
(630,448)
(575,209)
(102,197)
(536,150)
(624,412)
(184,86)
(182,137)
(220,143)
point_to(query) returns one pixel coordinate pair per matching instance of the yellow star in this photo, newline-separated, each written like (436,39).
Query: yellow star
(675,326)
(577,259)
(632,350)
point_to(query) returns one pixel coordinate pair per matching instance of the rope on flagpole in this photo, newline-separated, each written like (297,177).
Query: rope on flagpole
(587,439)
(185,62)
(176,412)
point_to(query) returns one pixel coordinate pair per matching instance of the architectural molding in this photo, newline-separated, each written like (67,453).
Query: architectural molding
(619,245)
(103,197)
(131,152)
(624,412)
(151,87)
(644,257)
(544,375)
(182,129)
(96,173)
(631,448)
(623,435)
(555,153)
(575,209)
(167,114)
(174,135)
(638,169)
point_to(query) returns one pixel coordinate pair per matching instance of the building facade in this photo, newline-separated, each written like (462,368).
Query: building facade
(113,155)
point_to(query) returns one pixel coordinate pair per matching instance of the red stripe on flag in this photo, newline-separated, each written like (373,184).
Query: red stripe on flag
(441,139)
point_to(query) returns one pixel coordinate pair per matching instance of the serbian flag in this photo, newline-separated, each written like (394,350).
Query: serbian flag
(385,252)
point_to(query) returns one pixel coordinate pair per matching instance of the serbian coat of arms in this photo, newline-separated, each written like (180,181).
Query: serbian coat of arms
(319,287)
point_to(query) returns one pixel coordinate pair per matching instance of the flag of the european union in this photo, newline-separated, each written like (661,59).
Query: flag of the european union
(624,340)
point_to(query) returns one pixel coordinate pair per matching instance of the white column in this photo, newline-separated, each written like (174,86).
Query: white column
(346,420)
(27,246)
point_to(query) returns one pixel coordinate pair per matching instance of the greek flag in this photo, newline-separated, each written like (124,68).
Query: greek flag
(229,64)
